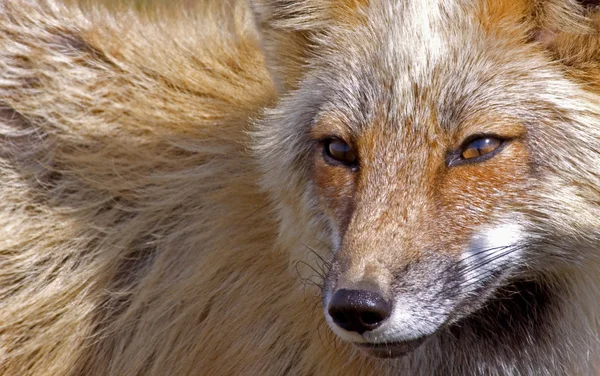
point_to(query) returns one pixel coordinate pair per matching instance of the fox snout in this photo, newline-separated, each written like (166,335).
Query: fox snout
(357,297)
(388,312)
(389,306)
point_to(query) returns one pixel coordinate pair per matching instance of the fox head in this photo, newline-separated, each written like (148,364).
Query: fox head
(443,151)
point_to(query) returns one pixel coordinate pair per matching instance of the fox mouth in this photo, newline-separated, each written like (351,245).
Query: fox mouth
(391,349)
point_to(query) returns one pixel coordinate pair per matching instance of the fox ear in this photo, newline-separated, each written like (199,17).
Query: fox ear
(286,29)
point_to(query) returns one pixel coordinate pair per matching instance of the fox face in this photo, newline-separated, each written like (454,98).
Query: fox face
(436,148)
(424,202)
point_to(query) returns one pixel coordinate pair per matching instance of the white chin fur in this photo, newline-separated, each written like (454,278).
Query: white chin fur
(409,321)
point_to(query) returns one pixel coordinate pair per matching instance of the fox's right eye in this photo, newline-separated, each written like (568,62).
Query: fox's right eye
(337,151)
(475,149)
(480,147)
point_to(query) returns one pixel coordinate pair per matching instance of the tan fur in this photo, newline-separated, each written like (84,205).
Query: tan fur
(152,221)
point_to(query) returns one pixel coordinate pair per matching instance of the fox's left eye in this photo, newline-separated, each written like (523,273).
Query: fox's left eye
(480,147)
(339,152)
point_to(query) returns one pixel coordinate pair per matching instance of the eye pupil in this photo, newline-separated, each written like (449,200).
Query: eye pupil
(340,151)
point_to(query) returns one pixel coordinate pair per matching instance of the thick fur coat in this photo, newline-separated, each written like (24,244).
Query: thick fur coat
(163,210)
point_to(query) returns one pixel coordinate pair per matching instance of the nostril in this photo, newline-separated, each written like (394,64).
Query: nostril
(371,318)
(340,318)
(358,310)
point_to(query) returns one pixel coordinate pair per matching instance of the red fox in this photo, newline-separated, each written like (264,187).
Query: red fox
(309,187)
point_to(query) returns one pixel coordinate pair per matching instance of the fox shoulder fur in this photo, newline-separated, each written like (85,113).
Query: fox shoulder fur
(192,189)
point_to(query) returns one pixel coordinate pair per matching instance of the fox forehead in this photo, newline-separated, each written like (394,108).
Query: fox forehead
(433,59)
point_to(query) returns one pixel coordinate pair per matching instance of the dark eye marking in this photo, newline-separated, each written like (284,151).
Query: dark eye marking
(476,149)
(337,152)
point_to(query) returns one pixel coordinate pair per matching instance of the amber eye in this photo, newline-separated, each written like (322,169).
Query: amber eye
(340,152)
(480,147)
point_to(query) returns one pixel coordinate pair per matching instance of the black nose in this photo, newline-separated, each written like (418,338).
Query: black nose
(358,310)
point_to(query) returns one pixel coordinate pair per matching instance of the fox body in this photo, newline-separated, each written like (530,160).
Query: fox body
(300,188)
